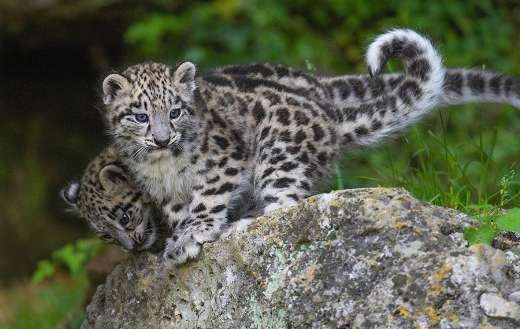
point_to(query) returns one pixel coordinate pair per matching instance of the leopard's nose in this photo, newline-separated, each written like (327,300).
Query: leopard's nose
(161,142)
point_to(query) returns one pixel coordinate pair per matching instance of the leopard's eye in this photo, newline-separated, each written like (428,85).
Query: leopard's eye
(106,238)
(175,113)
(124,220)
(141,117)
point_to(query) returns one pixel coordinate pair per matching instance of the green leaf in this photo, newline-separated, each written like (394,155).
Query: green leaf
(44,270)
(484,234)
(70,257)
(75,255)
(509,221)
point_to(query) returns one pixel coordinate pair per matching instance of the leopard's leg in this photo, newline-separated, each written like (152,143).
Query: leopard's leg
(284,178)
(174,211)
(284,191)
(251,213)
(207,218)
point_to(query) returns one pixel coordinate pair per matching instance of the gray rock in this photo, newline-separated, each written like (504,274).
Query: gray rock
(496,306)
(365,258)
(515,296)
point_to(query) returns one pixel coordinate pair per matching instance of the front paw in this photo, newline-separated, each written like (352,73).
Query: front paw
(179,251)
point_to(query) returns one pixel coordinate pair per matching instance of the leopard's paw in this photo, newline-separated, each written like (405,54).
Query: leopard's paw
(180,251)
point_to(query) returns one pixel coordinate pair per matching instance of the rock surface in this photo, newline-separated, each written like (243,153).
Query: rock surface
(365,258)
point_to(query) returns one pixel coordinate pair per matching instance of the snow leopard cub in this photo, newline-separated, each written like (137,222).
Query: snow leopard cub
(193,143)
(196,143)
(112,205)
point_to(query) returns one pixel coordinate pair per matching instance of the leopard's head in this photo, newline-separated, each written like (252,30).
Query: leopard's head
(149,108)
(112,205)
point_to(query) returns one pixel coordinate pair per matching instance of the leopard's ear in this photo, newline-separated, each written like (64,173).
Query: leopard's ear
(113,86)
(70,193)
(113,178)
(184,78)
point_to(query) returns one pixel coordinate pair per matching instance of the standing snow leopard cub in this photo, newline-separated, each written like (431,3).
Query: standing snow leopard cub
(195,143)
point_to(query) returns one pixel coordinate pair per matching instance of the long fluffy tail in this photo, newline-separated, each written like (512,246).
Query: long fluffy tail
(412,95)
(468,85)
(461,86)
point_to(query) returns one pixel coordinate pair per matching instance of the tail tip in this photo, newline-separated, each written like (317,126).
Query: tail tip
(390,43)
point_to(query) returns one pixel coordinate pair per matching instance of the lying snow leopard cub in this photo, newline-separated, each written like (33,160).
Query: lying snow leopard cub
(112,205)
(194,143)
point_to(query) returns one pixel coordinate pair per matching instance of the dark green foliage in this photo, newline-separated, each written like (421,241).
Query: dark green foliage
(330,34)
(455,160)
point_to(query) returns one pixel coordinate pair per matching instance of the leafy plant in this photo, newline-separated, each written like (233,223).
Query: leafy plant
(73,257)
(486,232)
(44,269)
(494,220)
(510,221)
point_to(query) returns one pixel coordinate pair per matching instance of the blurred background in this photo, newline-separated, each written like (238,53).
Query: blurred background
(54,53)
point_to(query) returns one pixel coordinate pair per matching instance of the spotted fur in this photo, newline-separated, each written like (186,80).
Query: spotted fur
(112,205)
(211,146)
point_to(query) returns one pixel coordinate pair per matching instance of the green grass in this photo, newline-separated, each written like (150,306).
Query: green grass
(472,169)
(436,164)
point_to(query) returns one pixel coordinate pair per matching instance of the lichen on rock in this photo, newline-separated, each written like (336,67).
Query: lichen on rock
(363,258)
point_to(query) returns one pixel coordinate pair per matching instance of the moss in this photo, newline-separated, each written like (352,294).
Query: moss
(275,280)
(485,325)
(432,314)
(405,313)
(335,203)
(400,226)
(274,319)
(435,290)
(312,200)
(144,283)
(453,317)
(443,273)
